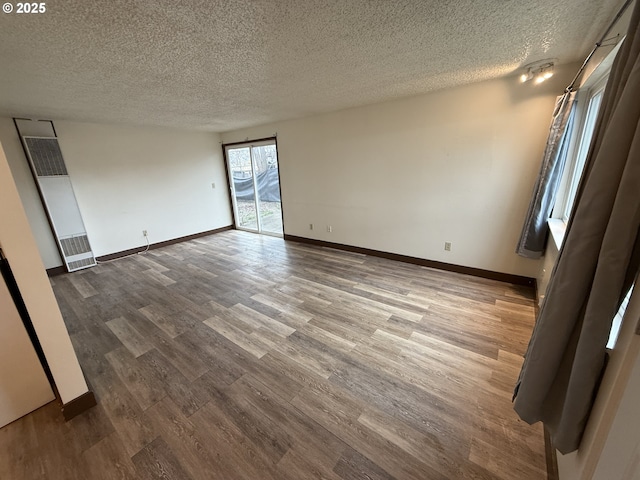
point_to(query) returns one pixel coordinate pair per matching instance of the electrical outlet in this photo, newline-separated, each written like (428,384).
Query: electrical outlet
(329,228)
(447,246)
(311,226)
(144,233)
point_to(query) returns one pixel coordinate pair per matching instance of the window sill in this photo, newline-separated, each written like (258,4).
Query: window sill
(558,229)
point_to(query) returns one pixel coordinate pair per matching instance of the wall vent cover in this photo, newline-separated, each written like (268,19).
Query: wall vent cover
(75,245)
(56,192)
(78,264)
(46,156)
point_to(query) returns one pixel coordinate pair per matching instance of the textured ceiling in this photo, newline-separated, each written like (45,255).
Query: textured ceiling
(219,65)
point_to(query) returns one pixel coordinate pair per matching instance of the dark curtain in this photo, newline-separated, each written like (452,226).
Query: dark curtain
(597,263)
(268,186)
(534,231)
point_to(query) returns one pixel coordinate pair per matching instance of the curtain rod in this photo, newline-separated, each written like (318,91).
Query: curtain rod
(252,140)
(598,44)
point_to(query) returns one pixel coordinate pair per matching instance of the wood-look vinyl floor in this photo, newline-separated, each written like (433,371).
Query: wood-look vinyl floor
(239,356)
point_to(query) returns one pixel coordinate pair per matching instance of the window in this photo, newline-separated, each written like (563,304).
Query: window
(588,106)
(617,321)
(583,149)
(255,186)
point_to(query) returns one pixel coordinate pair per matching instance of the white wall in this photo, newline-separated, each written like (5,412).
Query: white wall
(21,250)
(548,262)
(405,176)
(128,179)
(621,455)
(544,275)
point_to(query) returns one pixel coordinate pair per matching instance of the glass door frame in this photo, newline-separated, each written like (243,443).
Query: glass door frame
(232,193)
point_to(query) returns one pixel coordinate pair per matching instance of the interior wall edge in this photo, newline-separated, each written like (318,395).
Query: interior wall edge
(20,249)
(78,405)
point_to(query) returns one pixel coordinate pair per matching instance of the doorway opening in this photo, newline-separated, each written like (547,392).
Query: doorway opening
(254,179)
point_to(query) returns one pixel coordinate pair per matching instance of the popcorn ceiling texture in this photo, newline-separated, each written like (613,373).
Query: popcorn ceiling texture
(220,65)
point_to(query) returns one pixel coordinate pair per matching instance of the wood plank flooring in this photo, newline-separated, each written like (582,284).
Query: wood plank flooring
(239,356)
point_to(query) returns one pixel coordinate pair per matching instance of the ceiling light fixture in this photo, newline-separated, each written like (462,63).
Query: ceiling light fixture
(538,71)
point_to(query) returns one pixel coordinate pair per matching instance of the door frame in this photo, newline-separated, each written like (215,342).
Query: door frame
(232,200)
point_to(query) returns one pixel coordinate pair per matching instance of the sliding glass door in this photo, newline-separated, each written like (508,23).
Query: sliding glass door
(255,186)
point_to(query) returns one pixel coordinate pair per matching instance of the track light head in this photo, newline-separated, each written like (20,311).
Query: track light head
(538,71)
